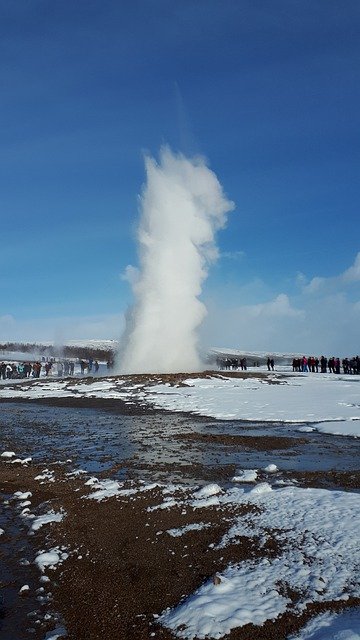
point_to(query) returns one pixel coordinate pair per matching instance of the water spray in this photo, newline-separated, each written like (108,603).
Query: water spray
(182,207)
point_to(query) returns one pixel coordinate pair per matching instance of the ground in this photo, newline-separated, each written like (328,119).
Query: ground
(121,568)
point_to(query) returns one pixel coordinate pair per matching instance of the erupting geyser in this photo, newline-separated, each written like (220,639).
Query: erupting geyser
(182,206)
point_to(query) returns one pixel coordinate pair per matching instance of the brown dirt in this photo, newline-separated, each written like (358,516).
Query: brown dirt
(328,479)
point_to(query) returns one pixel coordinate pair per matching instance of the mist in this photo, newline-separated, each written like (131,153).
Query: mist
(182,206)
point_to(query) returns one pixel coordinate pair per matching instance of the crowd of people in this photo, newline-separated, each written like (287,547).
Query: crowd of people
(60,368)
(232,364)
(324,365)
(65,367)
(19,370)
(304,364)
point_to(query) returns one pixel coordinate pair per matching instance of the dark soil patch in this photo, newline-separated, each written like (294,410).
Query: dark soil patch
(328,479)
(260,443)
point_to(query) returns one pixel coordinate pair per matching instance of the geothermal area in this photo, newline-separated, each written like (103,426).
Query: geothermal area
(171,498)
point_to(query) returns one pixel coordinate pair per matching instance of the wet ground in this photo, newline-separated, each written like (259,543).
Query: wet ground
(111,440)
(166,444)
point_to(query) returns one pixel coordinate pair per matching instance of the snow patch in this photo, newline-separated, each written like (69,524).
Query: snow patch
(246,475)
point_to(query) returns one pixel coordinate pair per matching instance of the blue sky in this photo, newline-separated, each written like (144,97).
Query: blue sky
(268,92)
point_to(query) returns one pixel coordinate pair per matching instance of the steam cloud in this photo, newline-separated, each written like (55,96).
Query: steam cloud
(182,206)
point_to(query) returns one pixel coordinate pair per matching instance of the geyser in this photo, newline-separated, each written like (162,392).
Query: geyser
(182,207)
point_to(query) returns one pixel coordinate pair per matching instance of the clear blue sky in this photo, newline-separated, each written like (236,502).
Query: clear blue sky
(269,92)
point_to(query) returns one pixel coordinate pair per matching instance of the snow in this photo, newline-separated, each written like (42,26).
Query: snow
(316,559)
(246,475)
(45,475)
(24,589)
(20,461)
(22,495)
(58,632)
(271,468)
(351,428)
(51,516)
(8,454)
(196,526)
(316,399)
(208,490)
(109,488)
(105,489)
(49,559)
(316,530)
(242,597)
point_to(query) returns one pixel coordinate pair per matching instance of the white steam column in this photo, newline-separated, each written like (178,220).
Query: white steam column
(182,206)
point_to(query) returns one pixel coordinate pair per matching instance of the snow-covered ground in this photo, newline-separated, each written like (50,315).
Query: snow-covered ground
(329,403)
(317,531)
(319,557)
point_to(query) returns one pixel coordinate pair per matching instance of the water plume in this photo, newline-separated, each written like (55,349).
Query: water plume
(182,207)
